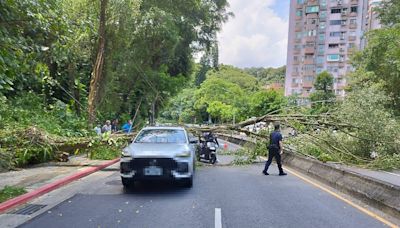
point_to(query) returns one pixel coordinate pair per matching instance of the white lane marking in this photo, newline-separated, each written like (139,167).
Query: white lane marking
(218,219)
(391,173)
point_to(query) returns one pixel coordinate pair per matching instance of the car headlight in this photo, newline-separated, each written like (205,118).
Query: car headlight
(125,154)
(183,154)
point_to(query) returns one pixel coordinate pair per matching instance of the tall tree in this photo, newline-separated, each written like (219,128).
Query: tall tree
(323,95)
(98,68)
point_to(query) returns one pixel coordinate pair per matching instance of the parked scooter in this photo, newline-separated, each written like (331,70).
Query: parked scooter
(208,148)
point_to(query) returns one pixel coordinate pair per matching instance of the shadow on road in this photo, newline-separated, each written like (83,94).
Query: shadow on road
(156,187)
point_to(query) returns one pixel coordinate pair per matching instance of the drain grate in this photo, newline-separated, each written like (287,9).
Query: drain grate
(28,209)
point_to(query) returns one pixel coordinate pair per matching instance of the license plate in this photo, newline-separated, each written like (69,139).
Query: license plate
(152,171)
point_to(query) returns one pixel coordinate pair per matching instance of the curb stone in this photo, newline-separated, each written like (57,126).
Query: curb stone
(14,202)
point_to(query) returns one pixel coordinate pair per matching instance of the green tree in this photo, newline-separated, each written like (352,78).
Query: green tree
(266,101)
(389,12)
(323,95)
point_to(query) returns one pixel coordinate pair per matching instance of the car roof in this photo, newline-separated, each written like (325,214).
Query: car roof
(163,127)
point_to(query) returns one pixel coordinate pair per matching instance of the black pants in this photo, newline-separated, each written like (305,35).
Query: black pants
(274,153)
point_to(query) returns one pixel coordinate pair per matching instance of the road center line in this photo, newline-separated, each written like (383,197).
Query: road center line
(218,218)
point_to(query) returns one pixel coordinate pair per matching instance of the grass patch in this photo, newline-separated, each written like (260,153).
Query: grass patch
(103,152)
(9,192)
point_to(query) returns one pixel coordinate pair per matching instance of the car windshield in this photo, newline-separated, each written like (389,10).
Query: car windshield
(161,136)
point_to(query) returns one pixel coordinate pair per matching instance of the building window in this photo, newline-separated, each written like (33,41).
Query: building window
(312,33)
(334,34)
(322,25)
(309,78)
(333,11)
(299,2)
(296,58)
(312,9)
(342,35)
(353,9)
(299,13)
(321,37)
(319,70)
(322,14)
(320,59)
(333,69)
(352,33)
(352,45)
(309,67)
(312,21)
(335,22)
(353,21)
(333,58)
(299,35)
(333,45)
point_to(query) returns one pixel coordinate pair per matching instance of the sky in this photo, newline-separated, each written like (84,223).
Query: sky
(257,35)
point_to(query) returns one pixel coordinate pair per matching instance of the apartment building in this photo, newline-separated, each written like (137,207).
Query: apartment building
(322,36)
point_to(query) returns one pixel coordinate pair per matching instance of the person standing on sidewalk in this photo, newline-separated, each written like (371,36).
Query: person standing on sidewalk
(275,150)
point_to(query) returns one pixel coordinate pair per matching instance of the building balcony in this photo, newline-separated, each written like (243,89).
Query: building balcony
(299,6)
(308,84)
(295,73)
(308,61)
(309,50)
(353,26)
(353,14)
(350,51)
(296,62)
(298,28)
(298,18)
(312,15)
(305,94)
(296,51)
(309,72)
(312,2)
(310,39)
(297,41)
(352,38)
(353,1)
(294,84)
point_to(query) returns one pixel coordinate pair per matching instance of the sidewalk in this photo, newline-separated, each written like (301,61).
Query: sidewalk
(40,175)
(392,177)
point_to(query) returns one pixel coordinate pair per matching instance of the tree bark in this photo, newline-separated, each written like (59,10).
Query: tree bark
(73,91)
(97,73)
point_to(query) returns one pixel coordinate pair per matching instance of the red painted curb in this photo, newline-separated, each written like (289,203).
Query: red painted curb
(52,186)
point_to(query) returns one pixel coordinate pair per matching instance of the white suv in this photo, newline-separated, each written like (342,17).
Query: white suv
(159,153)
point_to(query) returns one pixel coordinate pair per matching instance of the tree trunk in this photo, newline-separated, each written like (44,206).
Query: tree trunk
(73,91)
(97,73)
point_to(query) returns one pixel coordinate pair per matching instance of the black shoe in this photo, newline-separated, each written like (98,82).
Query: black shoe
(282,174)
(265,173)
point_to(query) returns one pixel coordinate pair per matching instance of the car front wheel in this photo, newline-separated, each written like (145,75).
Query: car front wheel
(188,182)
(127,182)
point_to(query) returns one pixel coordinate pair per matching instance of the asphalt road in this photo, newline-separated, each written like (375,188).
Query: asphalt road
(226,196)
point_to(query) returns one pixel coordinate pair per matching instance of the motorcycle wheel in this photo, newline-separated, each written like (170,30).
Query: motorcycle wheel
(213,158)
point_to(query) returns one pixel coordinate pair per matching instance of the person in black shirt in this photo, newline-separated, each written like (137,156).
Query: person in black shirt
(275,149)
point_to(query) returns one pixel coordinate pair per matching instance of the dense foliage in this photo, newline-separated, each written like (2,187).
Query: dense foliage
(268,75)
(228,94)
(48,54)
